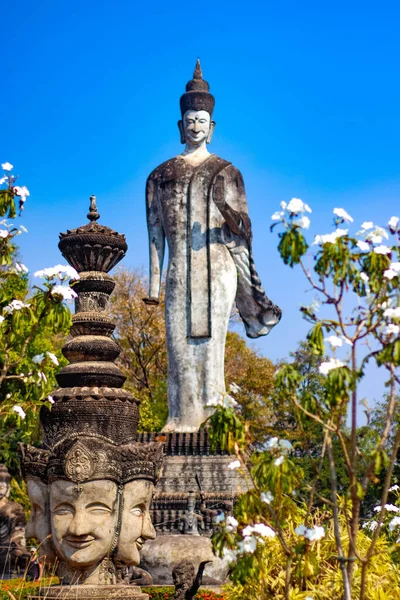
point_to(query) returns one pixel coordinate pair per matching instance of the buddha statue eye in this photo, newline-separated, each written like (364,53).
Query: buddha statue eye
(99,509)
(64,509)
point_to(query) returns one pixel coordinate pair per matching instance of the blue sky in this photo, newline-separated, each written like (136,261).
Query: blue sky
(307,105)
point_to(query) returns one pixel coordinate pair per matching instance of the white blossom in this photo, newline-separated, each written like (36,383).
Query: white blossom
(300,530)
(367,225)
(66,292)
(60,271)
(248,545)
(285,446)
(315,534)
(20,267)
(364,246)
(50,399)
(7,166)
(53,358)
(391,329)
(3,179)
(388,507)
(42,377)
(224,400)
(277,216)
(303,222)
(264,530)
(332,363)
(234,465)
(234,388)
(15,305)
(342,214)
(330,238)
(395,522)
(1,318)
(382,249)
(308,598)
(364,402)
(231,523)
(272,443)
(393,222)
(21,191)
(283,205)
(376,236)
(394,488)
(334,341)
(19,410)
(24,229)
(229,555)
(395,266)
(298,206)
(371,525)
(4,233)
(364,277)
(392,312)
(38,358)
(278,461)
(266,497)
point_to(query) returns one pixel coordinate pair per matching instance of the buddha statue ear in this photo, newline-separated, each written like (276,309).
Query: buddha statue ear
(211,131)
(181,131)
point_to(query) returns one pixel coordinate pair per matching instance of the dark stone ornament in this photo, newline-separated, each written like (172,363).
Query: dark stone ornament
(186,580)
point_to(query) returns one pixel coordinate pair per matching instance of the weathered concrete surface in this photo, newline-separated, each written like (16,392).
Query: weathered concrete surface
(159,557)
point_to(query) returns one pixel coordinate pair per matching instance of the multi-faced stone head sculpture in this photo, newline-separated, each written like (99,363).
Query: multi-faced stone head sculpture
(93,504)
(91,484)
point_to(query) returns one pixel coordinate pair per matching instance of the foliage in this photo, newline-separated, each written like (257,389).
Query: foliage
(167,593)
(140,330)
(19,589)
(32,325)
(291,537)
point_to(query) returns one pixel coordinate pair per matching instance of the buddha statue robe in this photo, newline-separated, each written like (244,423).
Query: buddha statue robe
(202,213)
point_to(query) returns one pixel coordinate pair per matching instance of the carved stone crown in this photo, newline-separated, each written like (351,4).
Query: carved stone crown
(82,458)
(197,96)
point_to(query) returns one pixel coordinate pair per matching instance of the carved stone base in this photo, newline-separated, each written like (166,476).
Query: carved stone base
(91,592)
(159,557)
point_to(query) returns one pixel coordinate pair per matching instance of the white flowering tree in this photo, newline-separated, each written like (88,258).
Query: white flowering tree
(285,539)
(30,320)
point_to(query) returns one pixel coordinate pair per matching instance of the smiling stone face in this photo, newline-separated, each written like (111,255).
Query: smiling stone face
(83,520)
(38,525)
(196,126)
(136,523)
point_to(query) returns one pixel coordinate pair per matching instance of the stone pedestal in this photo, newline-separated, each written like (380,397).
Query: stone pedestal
(191,468)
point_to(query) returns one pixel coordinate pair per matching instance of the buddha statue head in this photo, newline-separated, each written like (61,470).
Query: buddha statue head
(197,104)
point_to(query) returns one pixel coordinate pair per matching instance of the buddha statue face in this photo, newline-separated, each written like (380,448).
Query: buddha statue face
(196,128)
(136,523)
(38,525)
(83,519)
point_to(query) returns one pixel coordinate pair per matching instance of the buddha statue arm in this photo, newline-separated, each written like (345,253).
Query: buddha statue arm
(230,197)
(156,242)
